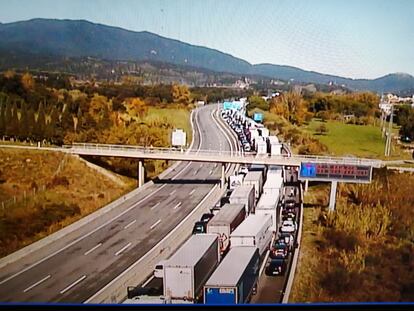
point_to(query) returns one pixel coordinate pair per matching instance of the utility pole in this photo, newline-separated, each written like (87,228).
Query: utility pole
(389,142)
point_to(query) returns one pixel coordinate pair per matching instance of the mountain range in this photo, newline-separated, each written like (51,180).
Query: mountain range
(80,38)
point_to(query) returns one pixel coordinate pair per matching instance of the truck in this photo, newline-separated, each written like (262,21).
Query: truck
(235,279)
(264,132)
(178,138)
(235,181)
(186,272)
(274,180)
(259,167)
(254,178)
(224,223)
(261,146)
(244,194)
(255,230)
(268,205)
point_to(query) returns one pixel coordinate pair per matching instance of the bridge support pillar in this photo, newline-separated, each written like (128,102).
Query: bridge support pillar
(332,197)
(140,173)
(223,175)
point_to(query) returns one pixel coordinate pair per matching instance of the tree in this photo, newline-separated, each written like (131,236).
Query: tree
(12,121)
(27,81)
(24,131)
(257,102)
(180,94)
(2,119)
(39,128)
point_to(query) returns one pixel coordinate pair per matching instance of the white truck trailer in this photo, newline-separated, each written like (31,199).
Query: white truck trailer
(224,223)
(186,272)
(244,194)
(254,178)
(235,181)
(255,230)
(268,205)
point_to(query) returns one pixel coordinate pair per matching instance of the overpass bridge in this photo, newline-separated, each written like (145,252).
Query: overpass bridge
(216,156)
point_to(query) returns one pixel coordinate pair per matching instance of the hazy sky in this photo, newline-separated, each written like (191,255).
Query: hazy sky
(352,38)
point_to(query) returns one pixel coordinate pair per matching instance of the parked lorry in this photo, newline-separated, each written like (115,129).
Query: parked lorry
(274,181)
(186,272)
(224,223)
(235,180)
(255,230)
(235,279)
(268,205)
(254,178)
(259,167)
(244,194)
(261,147)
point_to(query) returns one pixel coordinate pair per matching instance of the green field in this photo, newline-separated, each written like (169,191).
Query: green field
(179,117)
(349,139)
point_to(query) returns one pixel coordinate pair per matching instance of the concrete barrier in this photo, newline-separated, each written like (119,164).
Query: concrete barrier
(116,290)
(295,256)
(71,228)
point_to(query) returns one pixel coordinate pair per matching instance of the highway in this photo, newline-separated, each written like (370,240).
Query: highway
(75,267)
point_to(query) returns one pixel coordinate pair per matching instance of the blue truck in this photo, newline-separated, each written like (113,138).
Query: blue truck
(235,279)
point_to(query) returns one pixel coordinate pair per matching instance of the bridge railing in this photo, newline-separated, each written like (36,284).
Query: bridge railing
(215,153)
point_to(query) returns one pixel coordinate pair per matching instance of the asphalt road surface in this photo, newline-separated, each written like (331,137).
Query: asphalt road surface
(75,267)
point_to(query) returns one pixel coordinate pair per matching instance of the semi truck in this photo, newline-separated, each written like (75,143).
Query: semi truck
(224,223)
(244,194)
(268,205)
(255,230)
(235,279)
(254,178)
(235,181)
(186,272)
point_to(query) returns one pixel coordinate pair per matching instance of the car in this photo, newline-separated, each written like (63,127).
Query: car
(243,169)
(287,239)
(206,217)
(290,204)
(200,227)
(276,266)
(279,250)
(159,269)
(288,226)
(288,216)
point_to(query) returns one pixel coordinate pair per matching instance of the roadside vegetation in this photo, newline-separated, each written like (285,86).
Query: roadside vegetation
(42,192)
(331,124)
(362,252)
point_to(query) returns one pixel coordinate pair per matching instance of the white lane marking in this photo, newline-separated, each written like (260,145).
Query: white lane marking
(92,249)
(73,284)
(37,283)
(122,249)
(192,191)
(147,282)
(215,165)
(172,192)
(154,225)
(130,224)
(82,237)
(201,165)
(155,205)
(178,205)
(107,222)
(211,172)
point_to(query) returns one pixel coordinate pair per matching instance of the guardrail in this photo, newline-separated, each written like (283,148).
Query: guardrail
(214,155)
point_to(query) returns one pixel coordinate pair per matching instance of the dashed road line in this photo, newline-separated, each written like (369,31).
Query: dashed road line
(154,225)
(73,284)
(192,191)
(37,283)
(122,249)
(92,249)
(155,205)
(172,192)
(130,224)
(178,205)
